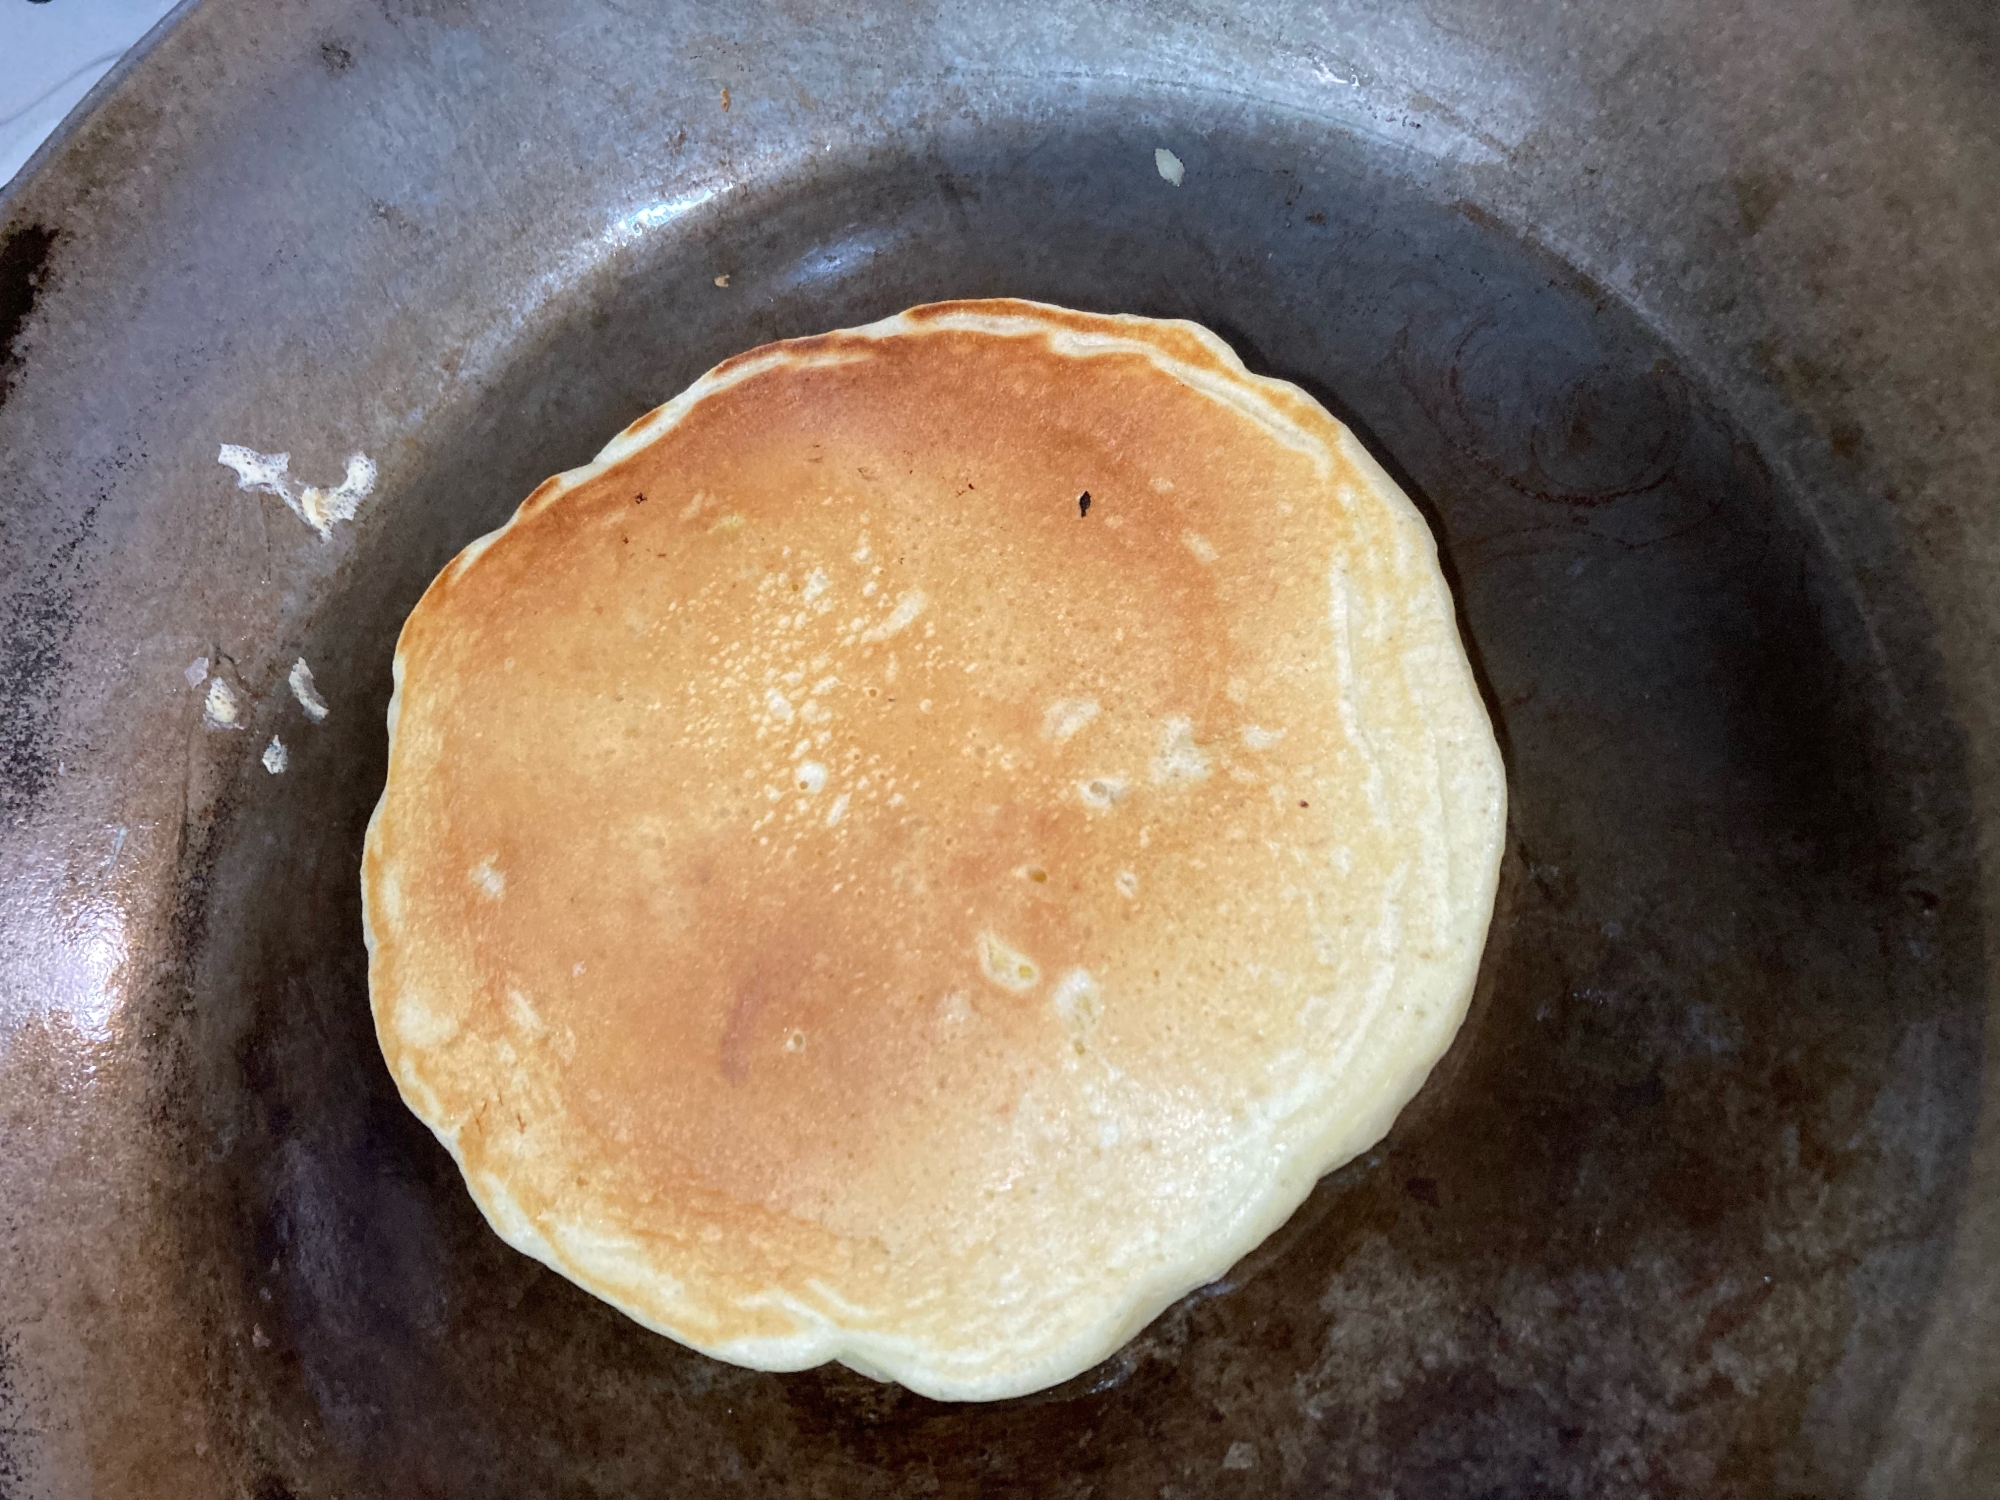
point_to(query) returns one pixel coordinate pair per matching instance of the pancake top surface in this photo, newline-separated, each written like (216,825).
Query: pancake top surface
(840,895)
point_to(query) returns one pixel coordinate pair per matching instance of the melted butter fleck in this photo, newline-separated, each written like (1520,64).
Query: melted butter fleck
(218,709)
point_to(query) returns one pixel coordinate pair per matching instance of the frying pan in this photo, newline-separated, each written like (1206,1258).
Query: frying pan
(1682,324)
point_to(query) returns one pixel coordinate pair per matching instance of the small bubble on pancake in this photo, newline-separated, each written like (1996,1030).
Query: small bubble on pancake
(1103,792)
(1006,965)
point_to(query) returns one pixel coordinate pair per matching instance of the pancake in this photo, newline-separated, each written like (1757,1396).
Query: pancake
(923,852)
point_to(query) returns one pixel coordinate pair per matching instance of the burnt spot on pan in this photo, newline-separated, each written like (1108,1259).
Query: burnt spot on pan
(24,260)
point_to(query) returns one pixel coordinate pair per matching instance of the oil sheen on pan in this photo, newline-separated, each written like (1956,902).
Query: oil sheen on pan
(926,850)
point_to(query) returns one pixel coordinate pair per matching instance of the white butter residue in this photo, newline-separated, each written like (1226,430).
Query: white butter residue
(268,474)
(1077,999)
(218,709)
(1259,738)
(1066,716)
(902,617)
(301,679)
(1202,548)
(954,1009)
(1169,165)
(526,1017)
(276,758)
(1180,758)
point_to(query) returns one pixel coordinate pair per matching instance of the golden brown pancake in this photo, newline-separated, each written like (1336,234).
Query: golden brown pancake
(841,896)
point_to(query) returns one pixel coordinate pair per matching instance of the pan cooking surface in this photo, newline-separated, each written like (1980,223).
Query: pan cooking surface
(1629,1214)
(1671,1216)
